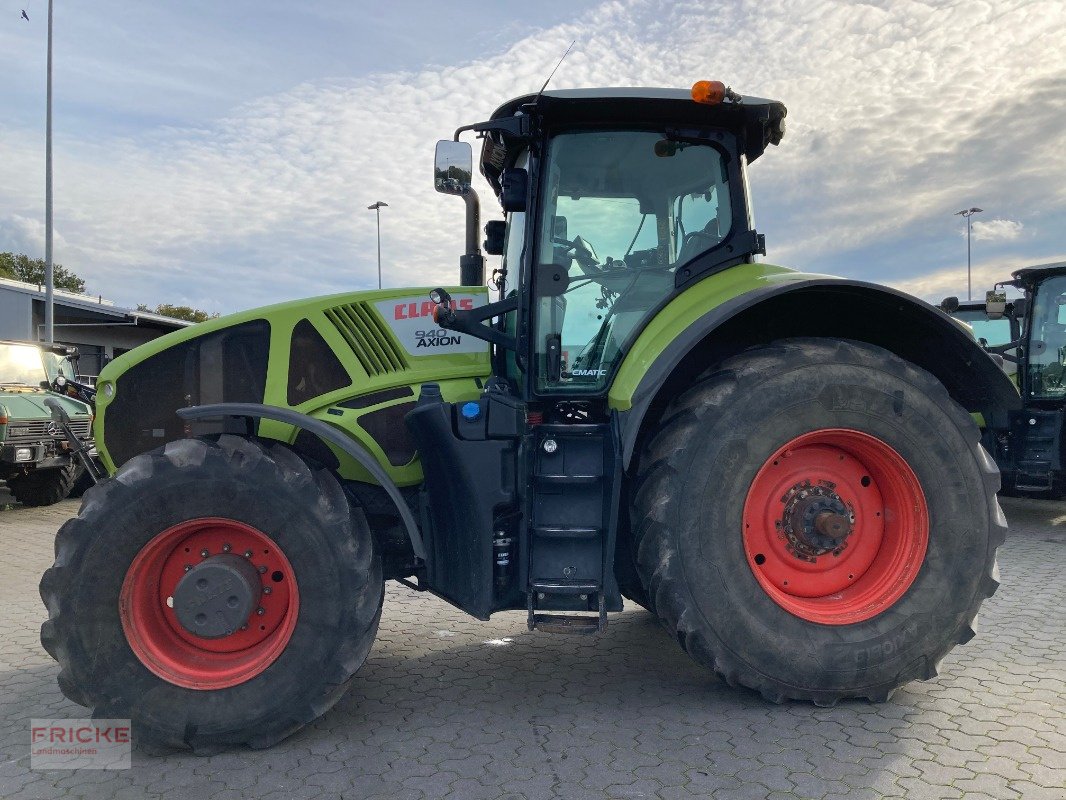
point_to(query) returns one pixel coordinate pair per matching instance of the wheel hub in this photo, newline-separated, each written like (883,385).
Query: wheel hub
(217,596)
(835,526)
(816,521)
(209,603)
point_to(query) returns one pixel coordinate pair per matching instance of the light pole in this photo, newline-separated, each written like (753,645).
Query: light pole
(49,276)
(377,209)
(968,212)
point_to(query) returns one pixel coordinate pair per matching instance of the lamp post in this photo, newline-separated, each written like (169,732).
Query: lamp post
(967,213)
(49,274)
(376,208)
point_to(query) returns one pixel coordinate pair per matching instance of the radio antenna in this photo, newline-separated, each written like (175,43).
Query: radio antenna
(552,73)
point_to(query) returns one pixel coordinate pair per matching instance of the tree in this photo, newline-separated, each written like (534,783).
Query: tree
(179,312)
(20,267)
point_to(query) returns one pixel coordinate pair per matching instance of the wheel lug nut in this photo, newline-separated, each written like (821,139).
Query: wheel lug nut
(244,627)
(262,568)
(188,567)
(260,611)
(204,553)
(226,548)
(267,590)
(247,553)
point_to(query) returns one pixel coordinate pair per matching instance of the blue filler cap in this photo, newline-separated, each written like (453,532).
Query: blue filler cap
(470,411)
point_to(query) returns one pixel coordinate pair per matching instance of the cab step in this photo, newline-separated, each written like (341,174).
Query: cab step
(584,624)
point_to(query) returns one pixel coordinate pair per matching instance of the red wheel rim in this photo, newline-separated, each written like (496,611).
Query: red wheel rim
(835,526)
(165,647)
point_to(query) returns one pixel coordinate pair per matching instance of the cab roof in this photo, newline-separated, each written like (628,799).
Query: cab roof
(757,121)
(1038,272)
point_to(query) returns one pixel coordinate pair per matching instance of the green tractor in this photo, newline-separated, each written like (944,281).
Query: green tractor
(1029,335)
(780,466)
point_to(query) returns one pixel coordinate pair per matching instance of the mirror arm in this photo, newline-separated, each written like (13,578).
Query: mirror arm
(1000,349)
(472,263)
(517,126)
(473,222)
(471,321)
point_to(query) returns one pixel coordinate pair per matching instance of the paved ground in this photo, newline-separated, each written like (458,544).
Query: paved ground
(451,707)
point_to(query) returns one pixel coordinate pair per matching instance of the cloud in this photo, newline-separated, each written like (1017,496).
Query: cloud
(996,230)
(21,234)
(935,286)
(899,114)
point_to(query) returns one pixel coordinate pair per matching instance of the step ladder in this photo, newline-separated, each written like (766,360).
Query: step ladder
(1036,445)
(573,504)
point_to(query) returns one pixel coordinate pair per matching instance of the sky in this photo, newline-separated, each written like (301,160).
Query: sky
(223,155)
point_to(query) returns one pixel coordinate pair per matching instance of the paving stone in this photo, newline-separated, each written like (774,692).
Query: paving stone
(439,712)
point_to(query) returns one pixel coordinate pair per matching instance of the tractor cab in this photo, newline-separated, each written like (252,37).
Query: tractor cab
(615,201)
(1043,349)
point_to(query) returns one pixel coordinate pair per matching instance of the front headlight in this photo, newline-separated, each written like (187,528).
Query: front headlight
(23,454)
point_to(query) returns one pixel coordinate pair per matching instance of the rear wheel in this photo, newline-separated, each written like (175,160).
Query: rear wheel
(816,519)
(43,487)
(215,593)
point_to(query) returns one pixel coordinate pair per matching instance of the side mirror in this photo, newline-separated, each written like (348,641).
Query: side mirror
(514,185)
(495,231)
(950,304)
(453,167)
(995,304)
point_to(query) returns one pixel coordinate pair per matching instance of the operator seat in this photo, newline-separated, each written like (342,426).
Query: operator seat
(698,242)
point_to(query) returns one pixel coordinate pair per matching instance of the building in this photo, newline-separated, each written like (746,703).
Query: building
(97,327)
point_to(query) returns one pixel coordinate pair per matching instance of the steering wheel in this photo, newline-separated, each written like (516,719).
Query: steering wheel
(585,255)
(691,241)
(693,235)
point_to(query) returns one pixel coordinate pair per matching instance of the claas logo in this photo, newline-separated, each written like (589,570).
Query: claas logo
(425,308)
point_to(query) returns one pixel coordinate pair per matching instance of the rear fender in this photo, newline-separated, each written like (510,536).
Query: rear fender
(795,304)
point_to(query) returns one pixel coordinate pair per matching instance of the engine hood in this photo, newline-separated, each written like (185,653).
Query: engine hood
(340,356)
(29,405)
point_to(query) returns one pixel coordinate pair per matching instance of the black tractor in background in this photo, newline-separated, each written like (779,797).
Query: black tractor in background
(1029,333)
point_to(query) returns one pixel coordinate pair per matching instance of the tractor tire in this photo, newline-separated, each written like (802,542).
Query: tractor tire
(43,487)
(626,573)
(316,589)
(816,519)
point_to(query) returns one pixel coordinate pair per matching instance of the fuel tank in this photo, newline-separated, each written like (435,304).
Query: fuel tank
(354,360)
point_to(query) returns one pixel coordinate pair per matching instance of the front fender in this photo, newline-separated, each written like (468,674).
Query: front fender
(759,303)
(326,432)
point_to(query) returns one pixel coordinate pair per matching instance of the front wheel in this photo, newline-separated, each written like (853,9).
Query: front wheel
(816,519)
(43,487)
(215,593)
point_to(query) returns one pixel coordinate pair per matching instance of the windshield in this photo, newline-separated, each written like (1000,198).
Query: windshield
(20,364)
(56,365)
(990,332)
(1047,340)
(623,210)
